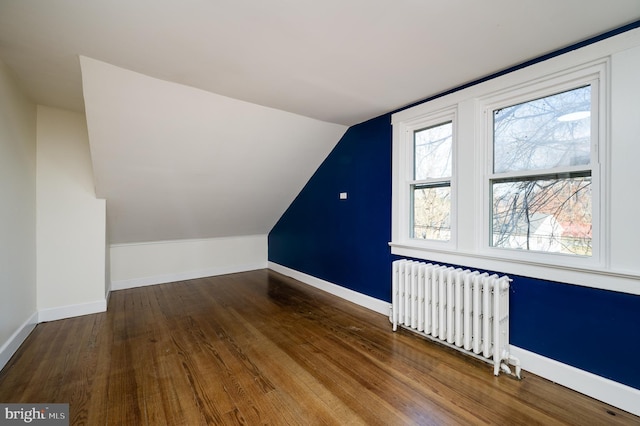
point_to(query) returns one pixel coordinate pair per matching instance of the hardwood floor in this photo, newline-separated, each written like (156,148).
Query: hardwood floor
(260,348)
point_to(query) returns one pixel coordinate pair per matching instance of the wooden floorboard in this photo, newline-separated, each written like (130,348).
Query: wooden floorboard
(260,348)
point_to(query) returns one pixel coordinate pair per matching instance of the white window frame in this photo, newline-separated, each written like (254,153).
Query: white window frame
(593,75)
(469,246)
(404,132)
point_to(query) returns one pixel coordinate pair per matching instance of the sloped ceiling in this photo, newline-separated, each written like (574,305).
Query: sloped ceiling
(206,117)
(176,162)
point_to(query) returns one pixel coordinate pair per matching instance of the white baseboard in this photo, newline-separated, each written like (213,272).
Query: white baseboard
(598,387)
(69,311)
(182,276)
(11,346)
(363,300)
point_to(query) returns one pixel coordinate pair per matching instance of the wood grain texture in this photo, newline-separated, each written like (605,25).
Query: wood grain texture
(260,348)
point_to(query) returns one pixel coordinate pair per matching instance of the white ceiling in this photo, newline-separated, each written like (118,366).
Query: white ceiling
(341,61)
(264,88)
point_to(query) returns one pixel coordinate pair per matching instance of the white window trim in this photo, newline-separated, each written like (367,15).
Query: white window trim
(471,249)
(406,153)
(596,76)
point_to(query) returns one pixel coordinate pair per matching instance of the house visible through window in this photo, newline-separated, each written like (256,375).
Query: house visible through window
(541,182)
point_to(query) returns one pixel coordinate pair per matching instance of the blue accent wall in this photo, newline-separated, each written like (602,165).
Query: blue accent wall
(345,242)
(591,329)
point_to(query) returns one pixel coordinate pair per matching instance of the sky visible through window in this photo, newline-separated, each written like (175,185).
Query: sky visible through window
(543,150)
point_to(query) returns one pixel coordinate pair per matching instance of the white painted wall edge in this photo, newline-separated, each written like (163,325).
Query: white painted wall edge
(603,389)
(606,390)
(69,311)
(182,276)
(17,338)
(376,305)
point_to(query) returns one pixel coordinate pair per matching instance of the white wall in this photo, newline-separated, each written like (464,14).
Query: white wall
(70,220)
(138,264)
(625,152)
(17,215)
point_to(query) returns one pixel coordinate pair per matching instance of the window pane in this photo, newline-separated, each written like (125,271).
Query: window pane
(544,133)
(432,152)
(550,214)
(432,212)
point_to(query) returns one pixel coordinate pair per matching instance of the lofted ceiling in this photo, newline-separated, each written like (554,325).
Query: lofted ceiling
(206,117)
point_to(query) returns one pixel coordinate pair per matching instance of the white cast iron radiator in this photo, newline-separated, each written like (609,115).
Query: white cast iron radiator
(464,309)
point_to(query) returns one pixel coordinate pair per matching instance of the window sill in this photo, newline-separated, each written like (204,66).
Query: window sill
(600,278)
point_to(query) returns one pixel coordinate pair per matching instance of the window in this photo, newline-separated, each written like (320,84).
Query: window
(540,182)
(505,175)
(541,195)
(431,184)
(425,183)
